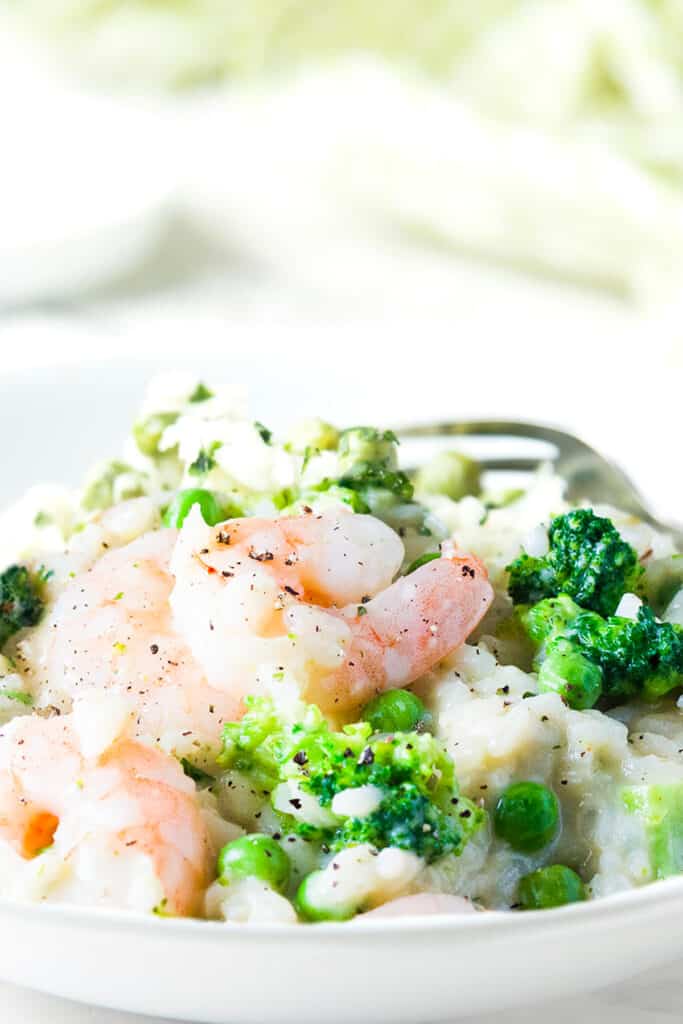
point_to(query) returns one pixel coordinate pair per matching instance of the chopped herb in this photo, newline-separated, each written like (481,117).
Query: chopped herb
(263,432)
(18,695)
(309,453)
(201,393)
(284,498)
(428,556)
(197,775)
(205,461)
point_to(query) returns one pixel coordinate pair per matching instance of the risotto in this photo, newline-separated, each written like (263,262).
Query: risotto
(253,678)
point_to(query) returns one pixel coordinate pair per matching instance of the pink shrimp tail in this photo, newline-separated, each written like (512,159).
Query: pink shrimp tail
(411,626)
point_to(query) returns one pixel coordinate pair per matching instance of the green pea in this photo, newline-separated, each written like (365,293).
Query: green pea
(254,856)
(550,887)
(396,711)
(451,474)
(178,511)
(527,816)
(565,670)
(313,901)
(147,433)
(548,618)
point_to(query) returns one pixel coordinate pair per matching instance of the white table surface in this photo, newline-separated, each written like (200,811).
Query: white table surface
(651,998)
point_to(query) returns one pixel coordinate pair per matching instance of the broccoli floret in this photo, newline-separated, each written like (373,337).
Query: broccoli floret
(642,656)
(253,744)
(21,601)
(324,494)
(409,820)
(369,474)
(420,810)
(587,559)
(368,480)
(635,657)
(368,458)
(205,460)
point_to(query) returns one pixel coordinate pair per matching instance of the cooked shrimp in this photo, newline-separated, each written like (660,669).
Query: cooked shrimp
(112,629)
(189,624)
(312,594)
(115,802)
(421,904)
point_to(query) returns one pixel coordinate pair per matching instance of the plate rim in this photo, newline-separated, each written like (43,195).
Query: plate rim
(659,895)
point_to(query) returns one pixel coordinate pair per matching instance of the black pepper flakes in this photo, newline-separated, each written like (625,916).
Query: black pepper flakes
(261,556)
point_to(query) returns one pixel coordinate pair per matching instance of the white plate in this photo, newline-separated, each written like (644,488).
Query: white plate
(415,970)
(410,970)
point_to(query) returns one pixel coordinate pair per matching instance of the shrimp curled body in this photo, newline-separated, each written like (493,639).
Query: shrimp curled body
(187,624)
(313,594)
(123,803)
(111,630)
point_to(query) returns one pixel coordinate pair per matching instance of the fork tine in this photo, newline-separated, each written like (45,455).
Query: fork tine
(484,428)
(523,461)
(516,465)
(589,475)
(494,463)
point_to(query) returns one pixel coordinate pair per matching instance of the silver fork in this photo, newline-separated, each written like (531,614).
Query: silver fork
(590,476)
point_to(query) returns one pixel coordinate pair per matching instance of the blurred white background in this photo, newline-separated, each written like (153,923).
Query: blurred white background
(431,231)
